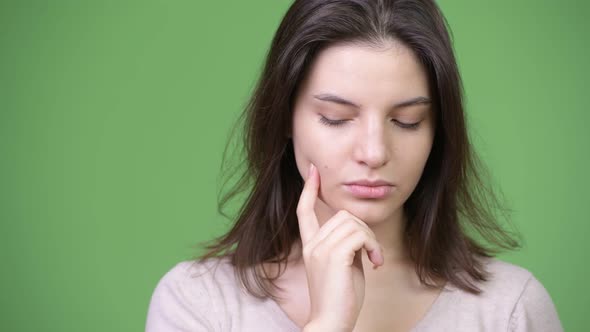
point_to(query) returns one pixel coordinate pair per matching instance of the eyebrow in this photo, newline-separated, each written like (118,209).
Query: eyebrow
(420,100)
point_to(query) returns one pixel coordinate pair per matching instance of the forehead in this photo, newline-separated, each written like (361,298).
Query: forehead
(367,74)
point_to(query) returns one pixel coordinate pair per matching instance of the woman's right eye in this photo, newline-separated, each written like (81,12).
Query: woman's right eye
(333,123)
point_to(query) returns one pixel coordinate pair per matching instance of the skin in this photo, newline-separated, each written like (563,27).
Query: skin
(370,144)
(329,275)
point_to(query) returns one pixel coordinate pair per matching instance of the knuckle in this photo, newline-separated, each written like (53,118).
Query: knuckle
(329,223)
(342,253)
(351,221)
(362,223)
(349,225)
(368,233)
(361,234)
(343,213)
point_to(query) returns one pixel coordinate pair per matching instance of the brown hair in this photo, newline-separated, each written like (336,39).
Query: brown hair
(451,198)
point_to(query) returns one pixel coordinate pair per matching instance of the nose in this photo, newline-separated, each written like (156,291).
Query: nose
(372,144)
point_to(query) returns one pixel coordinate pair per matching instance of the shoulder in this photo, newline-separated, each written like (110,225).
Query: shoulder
(202,274)
(507,282)
(532,308)
(503,287)
(203,277)
(187,295)
(511,299)
(505,278)
(206,295)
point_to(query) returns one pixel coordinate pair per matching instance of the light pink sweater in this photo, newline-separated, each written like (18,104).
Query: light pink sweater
(188,298)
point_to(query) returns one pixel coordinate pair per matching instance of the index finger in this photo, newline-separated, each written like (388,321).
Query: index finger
(308,221)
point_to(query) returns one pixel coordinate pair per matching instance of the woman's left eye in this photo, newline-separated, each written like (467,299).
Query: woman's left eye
(407,125)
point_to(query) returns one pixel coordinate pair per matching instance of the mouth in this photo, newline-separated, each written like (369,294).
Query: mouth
(371,183)
(366,191)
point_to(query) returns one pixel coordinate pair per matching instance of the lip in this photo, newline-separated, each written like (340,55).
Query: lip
(369,189)
(370,183)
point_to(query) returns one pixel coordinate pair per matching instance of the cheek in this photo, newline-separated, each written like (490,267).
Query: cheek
(321,154)
(411,161)
(309,144)
(307,152)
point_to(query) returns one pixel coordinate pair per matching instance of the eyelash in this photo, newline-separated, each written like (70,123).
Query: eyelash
(336,123)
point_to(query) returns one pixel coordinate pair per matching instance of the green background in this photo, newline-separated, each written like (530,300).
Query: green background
(114,115)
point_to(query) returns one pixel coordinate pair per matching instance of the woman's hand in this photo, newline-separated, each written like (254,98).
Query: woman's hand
(333,262)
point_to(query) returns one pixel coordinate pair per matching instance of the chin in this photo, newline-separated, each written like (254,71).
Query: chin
(371,217)
(369,211)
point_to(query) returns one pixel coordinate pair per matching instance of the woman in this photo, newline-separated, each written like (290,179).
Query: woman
(362,189)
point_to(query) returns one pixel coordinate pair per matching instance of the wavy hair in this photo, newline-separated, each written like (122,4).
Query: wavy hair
(453,214)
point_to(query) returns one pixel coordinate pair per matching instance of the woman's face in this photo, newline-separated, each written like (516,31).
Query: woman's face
(349,117)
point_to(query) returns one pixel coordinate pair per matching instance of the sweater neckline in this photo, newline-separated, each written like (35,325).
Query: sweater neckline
(281,317)
(441,301)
